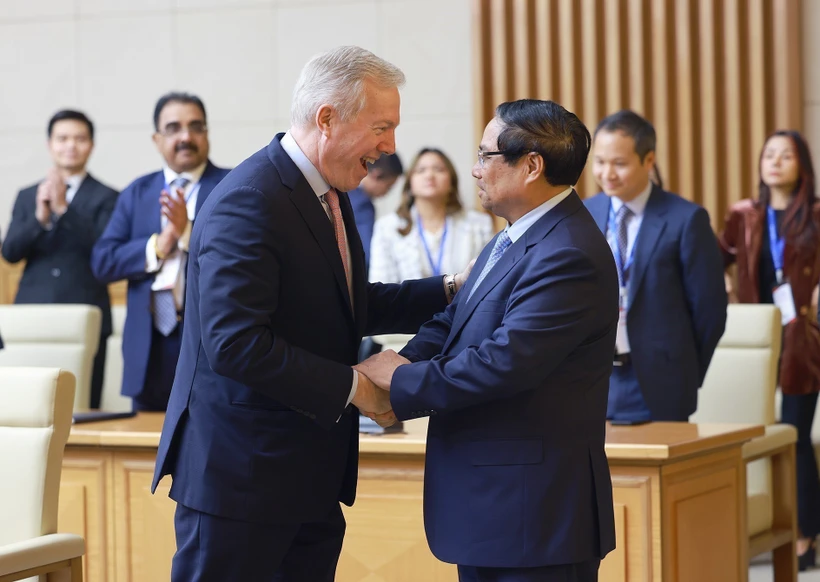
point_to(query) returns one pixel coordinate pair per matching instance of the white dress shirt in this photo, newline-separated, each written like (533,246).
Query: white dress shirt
(517,229)
(73,184)
(320,188)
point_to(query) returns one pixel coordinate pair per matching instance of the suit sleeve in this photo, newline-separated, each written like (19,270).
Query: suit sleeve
(551,310)
(405,307)
(116,255)
(702,274)
(238,279)
(87,227)
(430,339)
(25,232)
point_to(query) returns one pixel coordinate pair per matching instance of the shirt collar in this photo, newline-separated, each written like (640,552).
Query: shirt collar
(194,176)
(73,182)
(309,171)
(636,205)
(520,226)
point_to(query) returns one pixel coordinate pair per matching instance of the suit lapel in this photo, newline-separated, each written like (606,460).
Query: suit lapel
(358,269)
(82,197)
(153,212)
(652,226)
(209,180)
(308,205)
(508,260)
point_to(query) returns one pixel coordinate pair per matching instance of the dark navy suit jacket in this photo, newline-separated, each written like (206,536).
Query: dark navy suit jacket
(365,214)
(515,382)
(257,427)
(677,301)
(58,261)
(120,254)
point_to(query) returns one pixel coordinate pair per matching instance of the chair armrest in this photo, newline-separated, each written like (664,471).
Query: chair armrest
(41,551)
(776,437)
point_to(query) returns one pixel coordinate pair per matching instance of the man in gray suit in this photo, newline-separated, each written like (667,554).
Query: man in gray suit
(54,226)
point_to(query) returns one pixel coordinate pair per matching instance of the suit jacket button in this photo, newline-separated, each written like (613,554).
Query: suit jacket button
(804,310)
(55,272)
(807,271)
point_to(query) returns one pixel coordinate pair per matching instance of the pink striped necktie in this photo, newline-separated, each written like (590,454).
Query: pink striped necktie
(332,199)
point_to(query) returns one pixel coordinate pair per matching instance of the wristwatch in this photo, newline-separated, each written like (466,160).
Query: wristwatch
(450,285)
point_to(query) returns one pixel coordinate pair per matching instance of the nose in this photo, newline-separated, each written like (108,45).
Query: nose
(388,146)
(476,171)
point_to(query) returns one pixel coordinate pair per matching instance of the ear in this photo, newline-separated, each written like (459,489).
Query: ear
(534,167)
(325,117)
(157,139)
(649,160)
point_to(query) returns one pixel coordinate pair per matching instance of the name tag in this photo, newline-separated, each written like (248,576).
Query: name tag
(784,300)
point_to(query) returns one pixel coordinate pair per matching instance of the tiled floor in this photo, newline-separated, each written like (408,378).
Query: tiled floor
(761,571)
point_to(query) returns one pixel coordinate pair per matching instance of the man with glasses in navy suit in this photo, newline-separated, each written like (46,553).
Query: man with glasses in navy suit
(146,242)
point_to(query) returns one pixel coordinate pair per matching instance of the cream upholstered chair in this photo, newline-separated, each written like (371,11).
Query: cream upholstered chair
(62,336)
(35,418)
(740,388)
(112,399)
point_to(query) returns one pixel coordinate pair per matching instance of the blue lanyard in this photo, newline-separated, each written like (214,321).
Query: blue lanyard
(434,265)
(622,268)
(777,244)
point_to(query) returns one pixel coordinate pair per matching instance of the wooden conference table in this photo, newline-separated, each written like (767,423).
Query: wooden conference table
(679,492)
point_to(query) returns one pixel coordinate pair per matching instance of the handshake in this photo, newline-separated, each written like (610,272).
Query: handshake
(373,393)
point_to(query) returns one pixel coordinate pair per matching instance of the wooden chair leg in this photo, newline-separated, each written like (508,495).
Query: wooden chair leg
(784,560)
(77,569)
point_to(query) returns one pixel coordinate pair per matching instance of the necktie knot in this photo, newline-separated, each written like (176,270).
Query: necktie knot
(180,182)
(624,213)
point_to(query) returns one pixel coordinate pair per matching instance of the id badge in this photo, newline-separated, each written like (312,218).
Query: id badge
(784,300)
(622,339)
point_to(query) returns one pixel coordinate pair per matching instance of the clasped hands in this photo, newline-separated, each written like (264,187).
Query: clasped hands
(373,393)
(50,198)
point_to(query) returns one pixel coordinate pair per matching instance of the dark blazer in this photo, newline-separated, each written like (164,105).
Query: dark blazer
(257,429)
(741,241)
(58,261)
(120,254)
(515,382)
(677,301)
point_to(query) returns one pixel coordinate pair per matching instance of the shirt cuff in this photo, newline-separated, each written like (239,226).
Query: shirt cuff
(151,260)
(353,388)
(185,239)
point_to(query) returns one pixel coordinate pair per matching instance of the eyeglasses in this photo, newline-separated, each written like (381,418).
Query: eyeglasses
(482,155)
(174,129)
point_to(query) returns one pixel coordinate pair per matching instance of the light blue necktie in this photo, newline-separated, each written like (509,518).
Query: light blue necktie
(165,306)
(501,243)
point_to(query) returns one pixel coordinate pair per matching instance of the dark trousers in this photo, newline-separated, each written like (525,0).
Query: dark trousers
(580,572)
(98,374)
(159,376)
(798,410)
(625,397)
(216,549)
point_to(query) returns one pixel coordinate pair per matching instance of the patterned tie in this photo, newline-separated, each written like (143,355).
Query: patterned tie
(622,219)
(165,306)
(501,243)
(332,199)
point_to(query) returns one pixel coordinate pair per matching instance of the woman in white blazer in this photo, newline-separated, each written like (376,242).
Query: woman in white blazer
(431,233)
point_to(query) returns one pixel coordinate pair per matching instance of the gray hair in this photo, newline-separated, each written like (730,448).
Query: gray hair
(338,78)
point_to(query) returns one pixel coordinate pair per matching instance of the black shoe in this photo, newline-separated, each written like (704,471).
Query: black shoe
(807,559)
